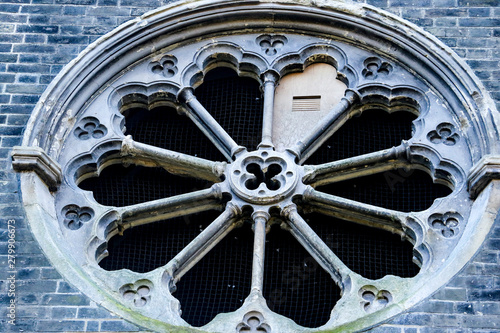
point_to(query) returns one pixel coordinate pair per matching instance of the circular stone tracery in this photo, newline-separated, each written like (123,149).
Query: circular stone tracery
(264,176)
(193,36)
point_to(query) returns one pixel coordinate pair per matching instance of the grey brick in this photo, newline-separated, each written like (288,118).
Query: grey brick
(29,58)
(64,312)
(118,326)
(65,299)
(22,68)
(478,3)
(7,78)
(479,12)
(65,287)
(38,29)
(58,39)
(19,109)
(35,39)
(9,8)
(34,48)
(446,12)
(39,19)
(60,326)
(24,89)
(479,22)
(451,294)
(24,99)
(485,295)
(92,326)
(28,273)
(41,9)
(74,10)
(93,313)
(12,18)
(50,273)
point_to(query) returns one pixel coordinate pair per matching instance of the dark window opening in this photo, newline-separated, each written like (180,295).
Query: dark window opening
(220,282)
(163,127)
(236,103)
(123,186)
(401,190)
(370,252)
(295,285)
(147,247)
(372,131)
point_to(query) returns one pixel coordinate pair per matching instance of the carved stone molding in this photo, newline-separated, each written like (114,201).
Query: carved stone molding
(487,169)
(36,159)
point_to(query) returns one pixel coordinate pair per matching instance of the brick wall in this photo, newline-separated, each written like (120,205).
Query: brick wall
(38,37)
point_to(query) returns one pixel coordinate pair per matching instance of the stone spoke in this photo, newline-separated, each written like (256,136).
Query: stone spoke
(355,167)
(326,127)
(355,211)
(174,162)
(209,126)
(315,246)
(269,86)
(203,243)
(167,208)
(260,220)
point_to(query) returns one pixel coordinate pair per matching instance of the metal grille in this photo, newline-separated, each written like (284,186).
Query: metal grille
(163,127)
(369,252)
(295,285)
(144,248)
(401,190)
(221,281)
(236,103)
(373,130)
(122,186)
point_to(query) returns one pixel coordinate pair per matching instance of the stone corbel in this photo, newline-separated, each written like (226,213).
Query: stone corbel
(487,169)
(37,160)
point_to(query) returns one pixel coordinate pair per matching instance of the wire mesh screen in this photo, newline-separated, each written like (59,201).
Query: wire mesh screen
(163,127)
(146,247)
(373,130)
(369,252)
(220,282)
(295,285)
(236,103)
(122,186)
(401,190)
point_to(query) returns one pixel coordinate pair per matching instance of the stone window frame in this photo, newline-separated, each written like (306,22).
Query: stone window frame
(449,99)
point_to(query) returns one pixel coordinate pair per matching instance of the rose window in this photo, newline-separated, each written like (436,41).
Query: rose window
(246,174)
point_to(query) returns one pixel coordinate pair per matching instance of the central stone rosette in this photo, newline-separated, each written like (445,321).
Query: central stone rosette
(263,176)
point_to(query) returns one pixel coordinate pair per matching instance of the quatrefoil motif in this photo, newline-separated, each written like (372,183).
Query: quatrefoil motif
(253,322)
(139,293)
(374,299)
(446,224)
(166,66)
(271,44)
(75,216)
(444,133)
(375,67)
(90,127)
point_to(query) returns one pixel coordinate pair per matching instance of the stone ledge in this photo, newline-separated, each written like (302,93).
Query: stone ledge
(487,169)
(36,159)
